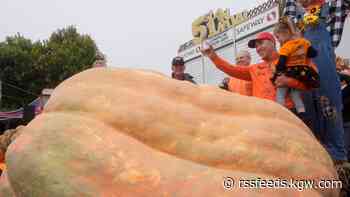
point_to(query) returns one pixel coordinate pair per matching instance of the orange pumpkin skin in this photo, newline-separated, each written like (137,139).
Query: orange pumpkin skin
(120,132)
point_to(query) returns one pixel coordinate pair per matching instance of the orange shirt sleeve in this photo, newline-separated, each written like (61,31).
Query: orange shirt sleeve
(286,49)
(291,46)
(293,83)
(2,166)
(306,42)
(240,72)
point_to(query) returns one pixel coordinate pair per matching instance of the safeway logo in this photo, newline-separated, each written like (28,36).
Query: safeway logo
(271,16)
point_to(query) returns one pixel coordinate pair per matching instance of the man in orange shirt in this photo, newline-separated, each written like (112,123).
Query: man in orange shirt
(261,73)
(237,85)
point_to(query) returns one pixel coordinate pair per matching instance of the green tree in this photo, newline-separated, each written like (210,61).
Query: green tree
(27,67)
(67,53)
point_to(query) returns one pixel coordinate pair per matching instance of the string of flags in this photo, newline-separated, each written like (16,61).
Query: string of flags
(18,113)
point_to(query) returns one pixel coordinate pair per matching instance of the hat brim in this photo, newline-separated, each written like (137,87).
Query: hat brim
(252,43)
(178,65)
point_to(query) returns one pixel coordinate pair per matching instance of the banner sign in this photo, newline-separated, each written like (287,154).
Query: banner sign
(191,50)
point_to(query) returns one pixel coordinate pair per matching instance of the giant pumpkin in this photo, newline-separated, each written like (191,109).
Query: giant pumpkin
(121,132)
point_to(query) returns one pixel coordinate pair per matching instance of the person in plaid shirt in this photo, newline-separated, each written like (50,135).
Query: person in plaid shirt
(337,13)
(322,24)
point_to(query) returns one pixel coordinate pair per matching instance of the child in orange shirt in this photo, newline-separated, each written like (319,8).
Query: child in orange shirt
(294,61)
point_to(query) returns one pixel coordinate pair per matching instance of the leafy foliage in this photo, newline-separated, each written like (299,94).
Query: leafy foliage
(33,66)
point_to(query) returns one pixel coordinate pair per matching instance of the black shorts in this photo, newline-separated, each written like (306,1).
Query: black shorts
(302,73)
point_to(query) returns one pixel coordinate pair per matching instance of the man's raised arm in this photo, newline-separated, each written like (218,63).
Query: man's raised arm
(240,72)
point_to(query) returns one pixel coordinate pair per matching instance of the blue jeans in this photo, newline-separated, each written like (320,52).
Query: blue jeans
(295,95)
(324,105)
